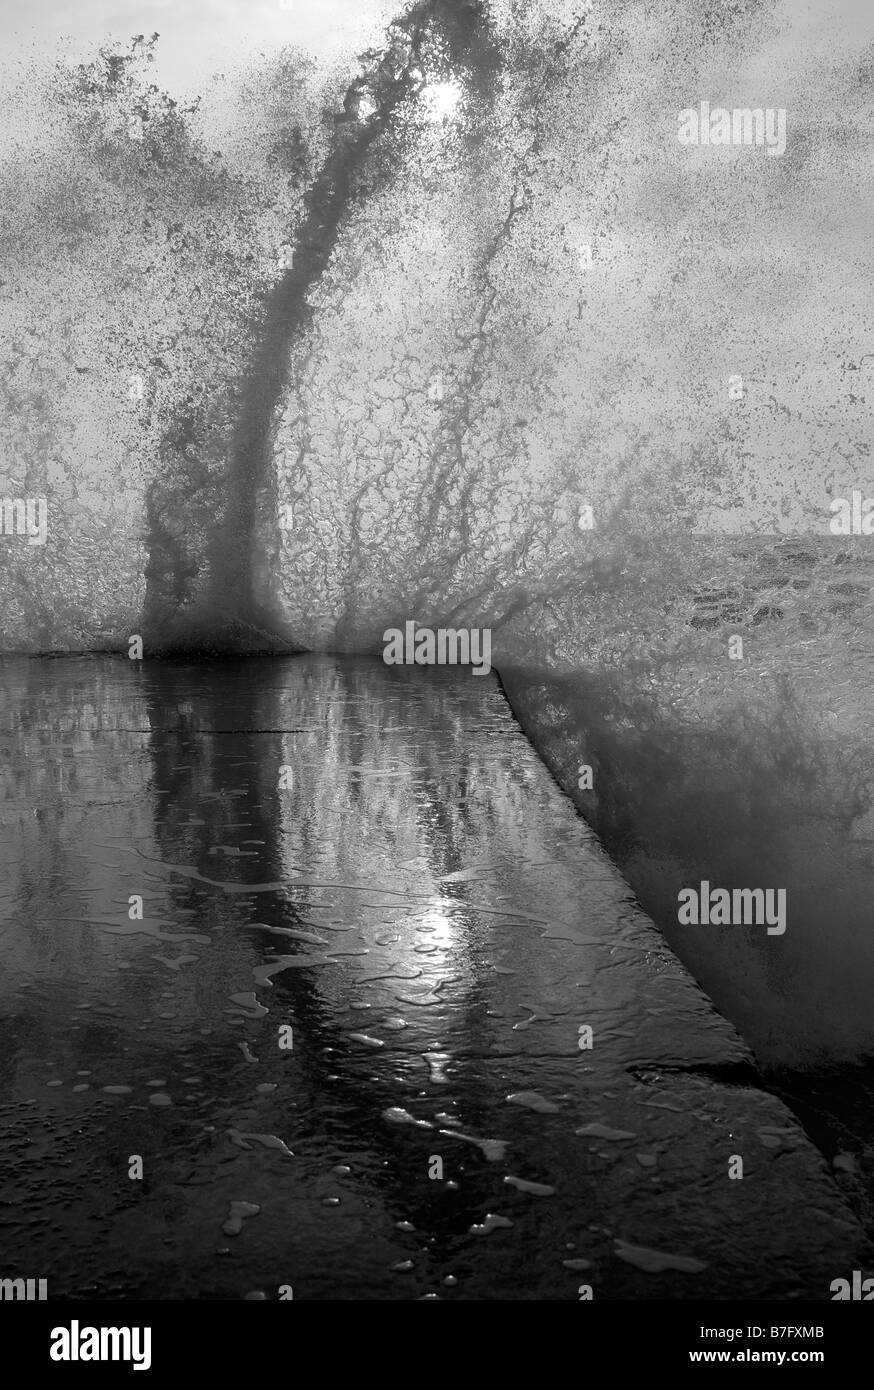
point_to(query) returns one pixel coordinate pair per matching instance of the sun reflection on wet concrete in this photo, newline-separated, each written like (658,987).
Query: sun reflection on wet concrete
(337,1010)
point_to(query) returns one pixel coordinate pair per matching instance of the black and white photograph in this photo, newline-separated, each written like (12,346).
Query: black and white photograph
(437,664)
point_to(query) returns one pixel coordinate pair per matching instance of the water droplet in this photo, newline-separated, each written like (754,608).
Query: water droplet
(654,1261)
(532,1100)
(490,1223)
(599,1131)
(537,1189)
(239,1212)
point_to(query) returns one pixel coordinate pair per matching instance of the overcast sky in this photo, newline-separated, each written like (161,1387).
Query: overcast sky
(198,37)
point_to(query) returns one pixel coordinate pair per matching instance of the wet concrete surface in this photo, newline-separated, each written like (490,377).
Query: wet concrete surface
(376,860)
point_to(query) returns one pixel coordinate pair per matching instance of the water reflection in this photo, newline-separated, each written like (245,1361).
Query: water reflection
(196,857)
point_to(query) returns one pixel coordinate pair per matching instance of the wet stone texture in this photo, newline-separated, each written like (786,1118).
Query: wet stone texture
(376,859)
